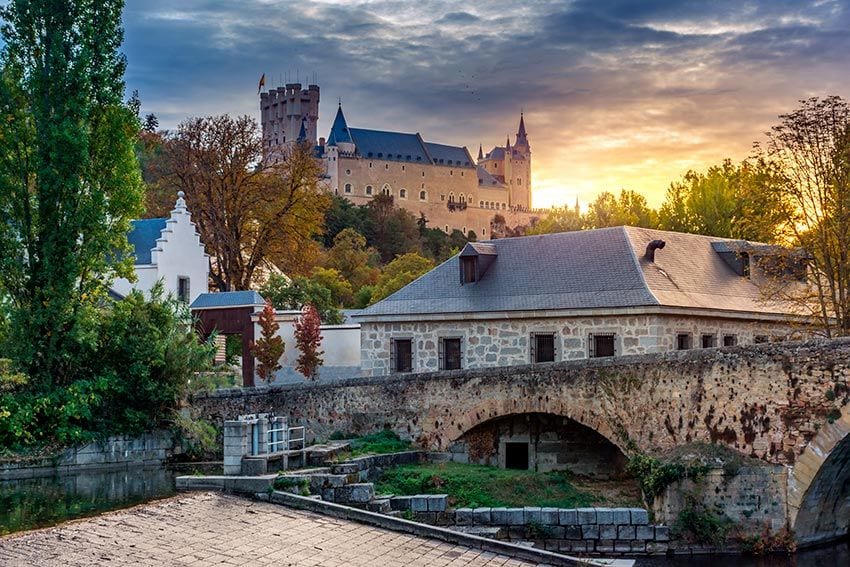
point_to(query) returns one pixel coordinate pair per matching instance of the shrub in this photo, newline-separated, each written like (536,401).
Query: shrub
(698,524)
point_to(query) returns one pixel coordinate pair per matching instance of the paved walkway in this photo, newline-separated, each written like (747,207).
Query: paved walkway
(216,529)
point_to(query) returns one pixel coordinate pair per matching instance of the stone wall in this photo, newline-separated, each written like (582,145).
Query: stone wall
(507,342)
(753,497)
(150,449)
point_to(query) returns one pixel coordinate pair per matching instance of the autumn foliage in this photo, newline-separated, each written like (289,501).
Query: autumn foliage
(269,347)
(308,338)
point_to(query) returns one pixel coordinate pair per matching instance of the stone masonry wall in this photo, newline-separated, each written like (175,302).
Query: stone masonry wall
(508,342)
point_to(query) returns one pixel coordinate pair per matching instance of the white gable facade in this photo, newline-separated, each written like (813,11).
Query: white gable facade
(168,249)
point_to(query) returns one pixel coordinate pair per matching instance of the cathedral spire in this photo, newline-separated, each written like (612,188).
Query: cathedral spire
(508,143)
(480,152)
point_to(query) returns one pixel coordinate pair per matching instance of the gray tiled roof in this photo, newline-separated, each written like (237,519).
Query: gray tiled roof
(449,155)
(487,179)
(389,145)
(595,269)
(228,299)
(143,236)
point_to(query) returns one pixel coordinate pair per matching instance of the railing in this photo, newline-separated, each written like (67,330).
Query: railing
(456,206)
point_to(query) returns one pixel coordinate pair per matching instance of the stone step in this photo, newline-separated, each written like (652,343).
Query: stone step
(491,532)
(381,506)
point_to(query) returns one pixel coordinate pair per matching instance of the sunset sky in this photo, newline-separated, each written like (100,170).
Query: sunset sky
(616,94)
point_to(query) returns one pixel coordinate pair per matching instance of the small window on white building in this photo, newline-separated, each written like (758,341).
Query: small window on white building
(183,291)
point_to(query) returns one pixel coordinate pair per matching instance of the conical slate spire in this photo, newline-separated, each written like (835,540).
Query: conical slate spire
(508,143)
(339,130)
(302,134)
(521,136)
(480,152)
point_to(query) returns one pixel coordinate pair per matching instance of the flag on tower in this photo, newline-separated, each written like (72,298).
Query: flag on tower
(262,83)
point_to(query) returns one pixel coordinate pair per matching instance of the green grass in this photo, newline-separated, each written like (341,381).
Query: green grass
(385,441)
(477,485)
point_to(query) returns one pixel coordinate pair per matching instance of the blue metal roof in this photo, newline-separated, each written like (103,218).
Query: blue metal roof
(449,155)
(378,144)
(143,236)
(228,299)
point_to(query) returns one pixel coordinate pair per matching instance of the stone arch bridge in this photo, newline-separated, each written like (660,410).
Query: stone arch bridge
(785,404)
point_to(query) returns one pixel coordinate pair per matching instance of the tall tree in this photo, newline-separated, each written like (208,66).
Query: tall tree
(250,212)
(629,208)
(811,149)
(400,272)
(69,179)
(559,219)
(391,230)
(308,339)
(269,347)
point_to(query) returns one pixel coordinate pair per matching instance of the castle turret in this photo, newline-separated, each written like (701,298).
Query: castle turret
(521,143)
(340,136)
(284,111)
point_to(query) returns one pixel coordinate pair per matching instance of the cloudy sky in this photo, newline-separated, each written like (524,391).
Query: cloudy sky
(616,94)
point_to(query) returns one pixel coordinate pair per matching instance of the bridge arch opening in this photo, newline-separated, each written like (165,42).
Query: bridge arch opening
(819,487)
(541,442)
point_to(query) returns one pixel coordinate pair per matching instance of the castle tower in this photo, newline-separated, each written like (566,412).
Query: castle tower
(283,111)
(520,158)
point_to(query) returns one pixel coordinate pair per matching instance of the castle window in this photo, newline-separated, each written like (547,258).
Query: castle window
(464,230)
(368,189)
(451,197)
(348,187)
(708,341)
(483,232)
(423,186)
(402,193)
(386,190)
(461,173)
(369,155)
(481,204)
(462,200)
(470,199)
(398,156)
(504,206)
(683,341)
(423,195)
(447,229)
(451,172)
(348,172)
(380,154)
(468,265)
(423,173)
(519,181)
(408,158)
(419,158)
(730,340)
(370,163)
(402,168)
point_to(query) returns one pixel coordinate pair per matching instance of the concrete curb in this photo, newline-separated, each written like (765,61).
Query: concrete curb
(424,530)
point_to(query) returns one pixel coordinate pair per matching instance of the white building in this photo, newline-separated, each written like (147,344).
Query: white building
(168,249)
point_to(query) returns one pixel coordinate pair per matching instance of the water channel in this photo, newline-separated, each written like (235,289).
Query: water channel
(34,503)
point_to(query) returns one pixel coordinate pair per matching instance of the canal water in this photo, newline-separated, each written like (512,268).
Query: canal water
(38,502)
(34,503)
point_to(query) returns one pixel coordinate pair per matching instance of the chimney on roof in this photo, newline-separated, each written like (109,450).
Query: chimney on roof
(652,247)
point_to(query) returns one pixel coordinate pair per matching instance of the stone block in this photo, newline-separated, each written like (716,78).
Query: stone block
(437,502)
(400,503)
(419,503)
(640,517)
(656,548)
(567,517)
(359,493)
(515,516)
(662,533)
(532,514)
(638,546)
(622,546)
(605,546)
(590,531)
(554,532)
(644,533)
(549,516)
(580,546)
(481,516)
(604,516)
(516,533)
(626,532)
(572,532)
(586,515)
(463,516)
(607,531)
(329,495)
(499,516)
(382,506)
(622,516)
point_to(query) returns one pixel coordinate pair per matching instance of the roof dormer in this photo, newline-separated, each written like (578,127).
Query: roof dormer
(475,259)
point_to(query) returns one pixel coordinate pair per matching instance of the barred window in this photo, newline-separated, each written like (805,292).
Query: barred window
(601,345)
(450,353)
(542,347)
(401,353)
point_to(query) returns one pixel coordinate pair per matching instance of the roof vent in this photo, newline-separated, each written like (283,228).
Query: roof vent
(652,247)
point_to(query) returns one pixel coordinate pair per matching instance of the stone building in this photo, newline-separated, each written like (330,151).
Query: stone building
(442,182)
(170,250)
(606,292)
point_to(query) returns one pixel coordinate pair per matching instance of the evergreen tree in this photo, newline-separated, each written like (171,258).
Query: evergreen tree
(269,347)
(308,339)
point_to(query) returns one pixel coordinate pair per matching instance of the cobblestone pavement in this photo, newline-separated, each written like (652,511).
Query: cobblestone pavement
(215,529)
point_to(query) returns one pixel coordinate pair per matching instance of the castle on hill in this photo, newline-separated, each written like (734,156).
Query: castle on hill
(442,182)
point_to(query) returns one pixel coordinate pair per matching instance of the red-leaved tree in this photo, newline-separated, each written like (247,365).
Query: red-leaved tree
(308,338)
(269,347)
